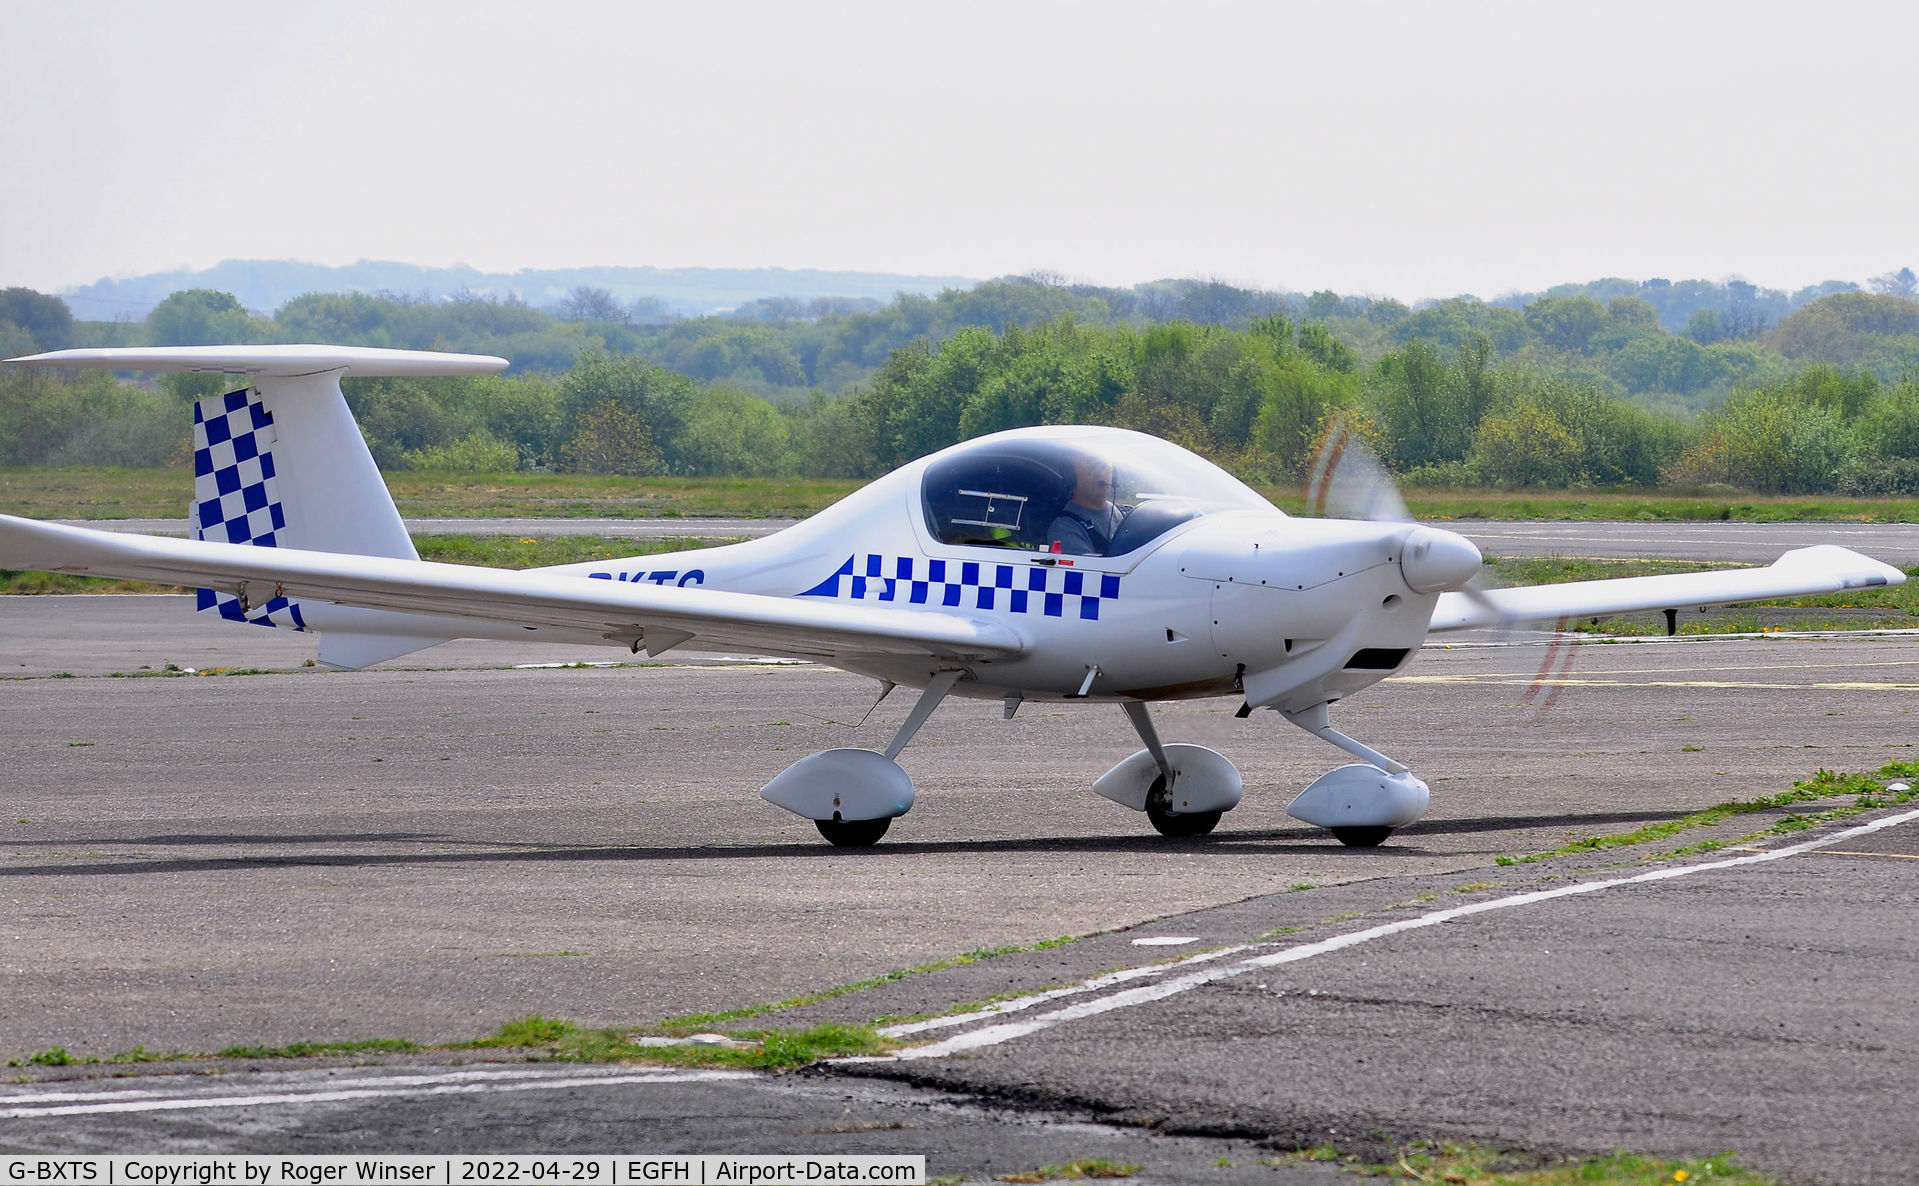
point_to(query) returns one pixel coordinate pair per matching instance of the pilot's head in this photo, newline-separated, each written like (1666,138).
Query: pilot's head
(1092,481)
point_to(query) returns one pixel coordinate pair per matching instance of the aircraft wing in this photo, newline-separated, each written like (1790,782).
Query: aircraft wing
(665,615)
(1822,569)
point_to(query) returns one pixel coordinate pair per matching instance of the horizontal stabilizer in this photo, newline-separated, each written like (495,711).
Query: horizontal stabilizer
(1826,568)
(273,361)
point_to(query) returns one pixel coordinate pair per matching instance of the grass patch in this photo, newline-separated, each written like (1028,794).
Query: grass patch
(1644,505)
(142,1054)
(512,551)
(1856,609)
(764,1050)
(1865,790)
(1075,1171)
(1556,570)
(39,583)
(1473,1165)
(490,551)
(55,1056)
(693,1022)
(95,492)
(102,492)
(314,1049)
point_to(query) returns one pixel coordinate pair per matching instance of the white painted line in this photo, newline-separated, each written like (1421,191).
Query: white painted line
(1019,1004)
(456,1083)
(473,1074)
(1166,941)
(994,1035)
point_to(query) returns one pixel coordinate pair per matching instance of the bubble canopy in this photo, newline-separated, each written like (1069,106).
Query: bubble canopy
(1009,489)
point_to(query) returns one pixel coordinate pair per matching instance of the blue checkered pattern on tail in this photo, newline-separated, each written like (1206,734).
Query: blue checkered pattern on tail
(967,584)
(236,499)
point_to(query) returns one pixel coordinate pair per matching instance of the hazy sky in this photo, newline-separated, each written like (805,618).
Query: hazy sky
(1407,149)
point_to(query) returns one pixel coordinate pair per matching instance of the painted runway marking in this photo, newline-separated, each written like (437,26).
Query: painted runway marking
(1020,1004)
(1898,856)
(994,1035)
(54,1103)
(1586,682)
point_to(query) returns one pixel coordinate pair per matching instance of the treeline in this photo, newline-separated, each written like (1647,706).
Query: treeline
(1681,346)
(1256,398)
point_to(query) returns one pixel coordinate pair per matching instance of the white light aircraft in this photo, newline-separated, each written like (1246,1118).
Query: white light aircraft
(962,573)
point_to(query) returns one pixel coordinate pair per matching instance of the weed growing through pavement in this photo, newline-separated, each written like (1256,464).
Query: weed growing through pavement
(1866,791)
(1076,1170)
(1430,1161)
(688,1023)
(763,1050)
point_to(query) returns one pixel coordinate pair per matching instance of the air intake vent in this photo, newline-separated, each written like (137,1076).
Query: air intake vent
(1376,659)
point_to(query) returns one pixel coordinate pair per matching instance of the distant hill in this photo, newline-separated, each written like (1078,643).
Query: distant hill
(264,285)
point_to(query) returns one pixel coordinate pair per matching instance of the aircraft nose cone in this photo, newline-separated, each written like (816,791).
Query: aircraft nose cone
(1435,561)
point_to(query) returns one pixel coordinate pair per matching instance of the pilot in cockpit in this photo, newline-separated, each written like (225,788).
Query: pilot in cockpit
(1085,525)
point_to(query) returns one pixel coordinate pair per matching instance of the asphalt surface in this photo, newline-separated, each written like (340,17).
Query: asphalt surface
(1753,543)
(198,862)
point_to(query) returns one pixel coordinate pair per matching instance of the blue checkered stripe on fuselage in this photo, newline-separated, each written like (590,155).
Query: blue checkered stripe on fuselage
(236,499)
(967,584)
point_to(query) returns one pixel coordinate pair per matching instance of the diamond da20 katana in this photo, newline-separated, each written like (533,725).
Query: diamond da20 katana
(1055,564)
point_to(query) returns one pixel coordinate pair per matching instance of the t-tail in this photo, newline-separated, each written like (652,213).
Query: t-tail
(281,463)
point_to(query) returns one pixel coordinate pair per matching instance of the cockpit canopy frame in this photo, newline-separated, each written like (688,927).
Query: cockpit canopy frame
(1006,490)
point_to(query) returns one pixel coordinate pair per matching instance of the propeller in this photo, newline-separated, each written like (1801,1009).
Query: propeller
(1349,481)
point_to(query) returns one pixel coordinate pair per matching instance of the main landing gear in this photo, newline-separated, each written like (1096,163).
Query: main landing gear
(1183,789)
(853,795)
(853,833)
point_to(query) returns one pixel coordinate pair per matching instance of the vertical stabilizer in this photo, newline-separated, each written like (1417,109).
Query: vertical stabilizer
(282,464)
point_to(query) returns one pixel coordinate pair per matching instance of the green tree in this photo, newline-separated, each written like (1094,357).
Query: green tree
(1766,440)
(654,397)
(1846,327)
(46,319)
(1429,405)
(1318,343)
(1664,363)
(1526,446)
(925,411)
(1566,323)
(586,303)
(730,433)
(1704,327)
(1297,398)
(202,317)
(610,439)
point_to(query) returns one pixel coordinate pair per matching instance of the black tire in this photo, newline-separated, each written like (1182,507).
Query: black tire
(853,833)
(1369,837)
(1193,823)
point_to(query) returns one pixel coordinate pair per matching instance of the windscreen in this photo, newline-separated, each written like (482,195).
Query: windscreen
(1081,491)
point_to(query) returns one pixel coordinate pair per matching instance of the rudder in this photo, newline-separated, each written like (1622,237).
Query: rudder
(282,464)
